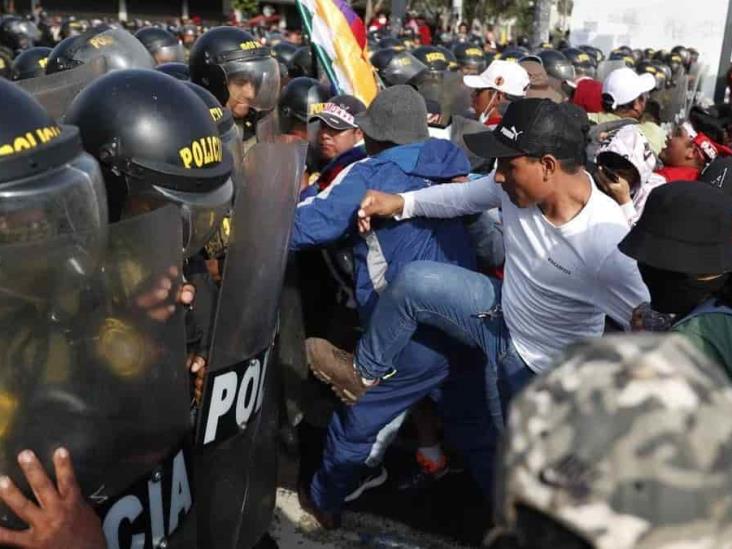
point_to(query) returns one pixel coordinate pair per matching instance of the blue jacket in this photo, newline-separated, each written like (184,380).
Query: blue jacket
(331,216)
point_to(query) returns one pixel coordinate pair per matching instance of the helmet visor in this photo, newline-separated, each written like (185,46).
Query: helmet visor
(66,204)
(170,54)
(254,82)
(201,213)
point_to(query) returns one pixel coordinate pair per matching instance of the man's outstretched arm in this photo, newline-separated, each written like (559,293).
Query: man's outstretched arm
(447,200)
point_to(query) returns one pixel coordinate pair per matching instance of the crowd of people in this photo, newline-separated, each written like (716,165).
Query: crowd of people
(466,251)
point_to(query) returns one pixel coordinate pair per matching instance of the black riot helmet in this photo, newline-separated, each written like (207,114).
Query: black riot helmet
(30,63)
(513,54)
(228,130)
(162,45)
(557,65)
(284,51)
(648,67)
(620,55)
(391,42)
(675,61)
(48,185)
(17,33)
(452,62)
(595,52)
(155,152)
(624,50)
(663,68)
(584,64)
(72,27)
(433,58)
(301,98)
(120,49)
(648,54)
(684,53)
(471,59)
(301,63)
(228,60)
(177,70)
(396,67)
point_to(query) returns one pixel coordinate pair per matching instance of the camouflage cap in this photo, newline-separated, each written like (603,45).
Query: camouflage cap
(628,444)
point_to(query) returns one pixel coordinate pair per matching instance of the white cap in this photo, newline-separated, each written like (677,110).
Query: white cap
(630,143)
(505,76)
(625,85)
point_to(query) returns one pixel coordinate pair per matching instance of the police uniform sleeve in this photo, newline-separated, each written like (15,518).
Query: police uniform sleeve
(330,215)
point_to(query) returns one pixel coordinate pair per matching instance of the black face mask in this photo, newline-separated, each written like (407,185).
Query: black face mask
(678,293)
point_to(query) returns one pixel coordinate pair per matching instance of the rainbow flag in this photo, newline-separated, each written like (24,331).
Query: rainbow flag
(339,38)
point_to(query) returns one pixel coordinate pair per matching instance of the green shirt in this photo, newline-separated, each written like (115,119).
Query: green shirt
(712,334)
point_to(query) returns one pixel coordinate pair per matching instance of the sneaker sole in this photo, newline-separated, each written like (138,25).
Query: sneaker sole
(371,483)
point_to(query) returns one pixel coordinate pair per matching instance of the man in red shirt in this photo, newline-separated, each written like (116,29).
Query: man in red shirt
(687,152)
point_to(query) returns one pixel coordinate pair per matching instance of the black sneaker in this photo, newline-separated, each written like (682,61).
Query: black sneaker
(419,479)
(371,478)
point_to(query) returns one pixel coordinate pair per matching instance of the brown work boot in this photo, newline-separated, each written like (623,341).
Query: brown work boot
(335,366)
(329,521)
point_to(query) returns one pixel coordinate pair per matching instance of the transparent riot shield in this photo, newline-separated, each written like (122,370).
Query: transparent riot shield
(268,127)
(606,67)
(232,475)
(673,107)
(93,360)
(461,127)
(443,89)
(56,91)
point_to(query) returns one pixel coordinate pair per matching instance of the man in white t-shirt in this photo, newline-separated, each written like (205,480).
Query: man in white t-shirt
(563,270)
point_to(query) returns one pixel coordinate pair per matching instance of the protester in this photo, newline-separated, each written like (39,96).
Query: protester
(686,153)
(625,170)
(495,88)
(400,158)
(539,145)
(624,97)
(686,264)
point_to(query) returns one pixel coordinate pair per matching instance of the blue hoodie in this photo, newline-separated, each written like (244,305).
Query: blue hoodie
(331,216)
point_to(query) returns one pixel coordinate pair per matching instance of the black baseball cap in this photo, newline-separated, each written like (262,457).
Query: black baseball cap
(686,227)
(339,112)
(534,127)
(718,173)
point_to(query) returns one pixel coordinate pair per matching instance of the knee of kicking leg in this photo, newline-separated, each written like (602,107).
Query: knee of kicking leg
(417,279)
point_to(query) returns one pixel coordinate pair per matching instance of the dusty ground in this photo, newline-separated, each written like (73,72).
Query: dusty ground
(292,527)
(449,514)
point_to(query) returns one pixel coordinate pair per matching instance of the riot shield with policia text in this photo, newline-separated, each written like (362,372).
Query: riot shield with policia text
(94,359)
(233,427)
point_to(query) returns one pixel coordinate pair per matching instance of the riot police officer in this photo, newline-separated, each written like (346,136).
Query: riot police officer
(584,64)
(239,72)
(179,71)
(120,49)
(162,45)
(151,154)
(17,33)
(51,193)
(396,67)
(30,63)
(470,59)
(560,70)
(302,98)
